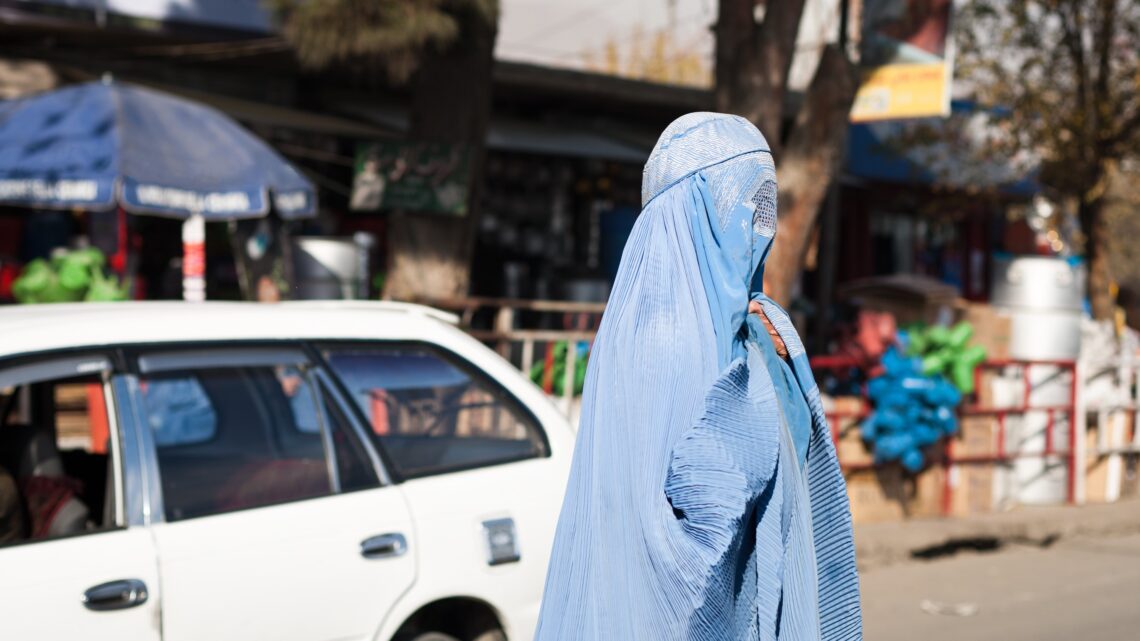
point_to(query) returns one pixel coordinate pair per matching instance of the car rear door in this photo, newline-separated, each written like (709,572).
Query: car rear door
(482,474)
(82,562)
(276,518)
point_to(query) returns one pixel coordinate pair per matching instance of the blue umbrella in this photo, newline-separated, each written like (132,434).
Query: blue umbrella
(104,144)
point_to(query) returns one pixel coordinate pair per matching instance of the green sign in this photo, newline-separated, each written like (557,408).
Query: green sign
(411,176)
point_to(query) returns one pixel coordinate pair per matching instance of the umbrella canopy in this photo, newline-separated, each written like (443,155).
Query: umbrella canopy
(102,144)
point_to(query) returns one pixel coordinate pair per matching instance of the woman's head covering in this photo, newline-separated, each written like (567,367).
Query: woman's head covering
(726,163)
(680,431)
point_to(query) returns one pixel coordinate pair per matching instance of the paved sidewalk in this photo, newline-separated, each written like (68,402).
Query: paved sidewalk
(879,544)
(1080,588)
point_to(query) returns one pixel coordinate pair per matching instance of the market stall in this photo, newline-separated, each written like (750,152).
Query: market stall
(112,147)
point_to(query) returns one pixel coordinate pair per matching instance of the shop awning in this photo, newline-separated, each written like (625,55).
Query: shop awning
(261,113)
(964,151)
(560,140)
(507,134)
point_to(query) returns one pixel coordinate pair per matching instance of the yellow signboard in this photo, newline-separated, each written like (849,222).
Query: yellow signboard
(907,52)
(903,91)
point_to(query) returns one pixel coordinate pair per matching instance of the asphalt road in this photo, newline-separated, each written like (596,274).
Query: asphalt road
(1079,588)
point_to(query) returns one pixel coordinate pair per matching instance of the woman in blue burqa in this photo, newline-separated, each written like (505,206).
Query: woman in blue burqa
(705,501)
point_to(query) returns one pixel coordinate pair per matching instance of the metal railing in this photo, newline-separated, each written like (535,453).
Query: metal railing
(569,321)
(1119,412)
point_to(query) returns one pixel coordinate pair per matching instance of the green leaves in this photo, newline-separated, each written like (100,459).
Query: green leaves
(393,34)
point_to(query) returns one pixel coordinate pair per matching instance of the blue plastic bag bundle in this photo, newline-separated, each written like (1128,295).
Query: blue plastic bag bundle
(912,411)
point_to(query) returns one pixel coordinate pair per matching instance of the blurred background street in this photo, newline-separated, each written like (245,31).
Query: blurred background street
(1079,588)
(1048,573)
(303,293)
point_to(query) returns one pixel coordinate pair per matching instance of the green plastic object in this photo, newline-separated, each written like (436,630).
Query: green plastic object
(918,343)
(105,290)
(945,350)
(962,370)
(69,277)
(936,363)
(960,334)
(35,278)
(938,336)
(538,370)
(74,276)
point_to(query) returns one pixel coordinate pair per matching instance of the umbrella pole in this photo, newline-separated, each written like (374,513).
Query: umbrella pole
(194,258)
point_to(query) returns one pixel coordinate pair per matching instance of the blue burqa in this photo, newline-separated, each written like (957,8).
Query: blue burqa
(705,502)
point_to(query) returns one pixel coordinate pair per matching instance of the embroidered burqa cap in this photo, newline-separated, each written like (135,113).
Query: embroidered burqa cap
(701,506)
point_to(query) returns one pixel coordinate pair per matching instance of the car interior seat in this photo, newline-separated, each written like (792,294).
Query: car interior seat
(30,453)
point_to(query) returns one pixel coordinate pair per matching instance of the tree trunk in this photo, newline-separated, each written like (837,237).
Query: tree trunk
(752,62)
(752,65)
(1095,226)
(429,255)
(812,158)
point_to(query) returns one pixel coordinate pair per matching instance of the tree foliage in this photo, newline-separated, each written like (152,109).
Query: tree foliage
(1122,203)
(1069,72)
(395,33)
(657,56)
(444,49)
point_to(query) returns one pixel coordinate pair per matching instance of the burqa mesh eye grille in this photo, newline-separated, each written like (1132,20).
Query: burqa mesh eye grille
(742,180)
(764,198)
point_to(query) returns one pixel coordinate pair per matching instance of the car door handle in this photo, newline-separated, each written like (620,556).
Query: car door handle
(384,546)
(115,595)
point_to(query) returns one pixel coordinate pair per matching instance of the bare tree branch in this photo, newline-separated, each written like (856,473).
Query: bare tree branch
(1125,139)
(1107,19)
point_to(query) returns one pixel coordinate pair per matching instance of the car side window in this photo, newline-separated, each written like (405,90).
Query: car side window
(431,413)
(57,473)
(233,438)
(178,410)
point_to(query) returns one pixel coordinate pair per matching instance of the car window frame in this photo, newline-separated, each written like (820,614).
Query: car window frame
(453,358)
(180,359)
(44,367)
(324,382)
(225,350)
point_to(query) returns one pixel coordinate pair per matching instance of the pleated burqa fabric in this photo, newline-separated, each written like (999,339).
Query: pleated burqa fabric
(705,501)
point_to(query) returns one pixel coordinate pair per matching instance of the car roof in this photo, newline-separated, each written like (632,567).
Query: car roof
(37,328)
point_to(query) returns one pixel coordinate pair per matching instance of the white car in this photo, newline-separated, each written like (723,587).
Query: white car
(299,471)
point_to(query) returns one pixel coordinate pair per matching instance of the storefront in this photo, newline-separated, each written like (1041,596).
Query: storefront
(930,197)
(552,226)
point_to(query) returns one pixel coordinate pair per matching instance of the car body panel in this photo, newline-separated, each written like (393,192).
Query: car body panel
(291,572)
(312,547)
(42,586)
(43,328)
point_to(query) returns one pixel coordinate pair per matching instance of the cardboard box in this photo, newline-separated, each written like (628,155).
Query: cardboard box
(888,493)
(977,436)
(852,450)
(1130,481)
(985,391)
(876,495)
(847,411)
(1110,477)
(972,489)
(992,329)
